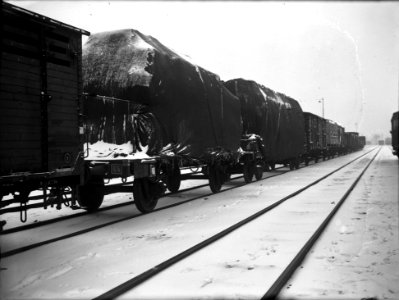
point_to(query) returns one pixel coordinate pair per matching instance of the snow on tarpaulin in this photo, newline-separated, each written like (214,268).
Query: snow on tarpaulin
(278,119)
(118,123)
(195,112)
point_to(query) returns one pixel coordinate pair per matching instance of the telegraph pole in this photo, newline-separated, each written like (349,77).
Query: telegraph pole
(322,106)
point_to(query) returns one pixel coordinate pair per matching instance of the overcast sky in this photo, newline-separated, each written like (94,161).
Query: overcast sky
(346,53)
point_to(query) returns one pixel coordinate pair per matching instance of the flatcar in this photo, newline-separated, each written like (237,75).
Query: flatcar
(275,117)
(196,120)
(394,133)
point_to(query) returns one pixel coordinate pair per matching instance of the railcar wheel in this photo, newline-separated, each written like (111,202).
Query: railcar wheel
(248,171)
(297,163)
(91,195)
(292,164)
(145,194)
(215,179)
(204,170)
(272,166)
(226,175)
(173,179)
(258,172)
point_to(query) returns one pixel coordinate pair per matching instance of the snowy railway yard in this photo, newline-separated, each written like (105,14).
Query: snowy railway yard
(262,239)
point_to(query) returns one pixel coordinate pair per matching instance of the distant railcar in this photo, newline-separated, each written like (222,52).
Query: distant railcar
(334,138)
(394,132)
(362,142)
(351,141)
(315,137)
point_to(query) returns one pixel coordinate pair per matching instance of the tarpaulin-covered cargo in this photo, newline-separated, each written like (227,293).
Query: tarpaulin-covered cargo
(115,128)
(194,110)
(315,131)
(278,119)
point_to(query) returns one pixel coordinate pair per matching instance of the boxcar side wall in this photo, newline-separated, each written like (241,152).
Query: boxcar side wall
(315,132)
(40,86)
(395,133)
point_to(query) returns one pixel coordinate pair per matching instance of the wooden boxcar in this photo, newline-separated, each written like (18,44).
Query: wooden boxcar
(351,141)
(315,137)
(40,86)
(362,141)
(334,138)
(394,132)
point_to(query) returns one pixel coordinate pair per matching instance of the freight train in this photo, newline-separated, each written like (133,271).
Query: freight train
(126,105)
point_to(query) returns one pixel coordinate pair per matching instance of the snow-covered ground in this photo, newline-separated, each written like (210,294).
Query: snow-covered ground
(245,263)
(358,255)
(90,264)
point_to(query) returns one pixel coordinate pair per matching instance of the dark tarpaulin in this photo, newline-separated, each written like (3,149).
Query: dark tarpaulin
(117,121)
(278,119)
(195,112)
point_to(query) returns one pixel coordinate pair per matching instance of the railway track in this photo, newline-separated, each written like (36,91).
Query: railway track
(109,190)
(119,220)
(84,213)
(131,240)
(272,289)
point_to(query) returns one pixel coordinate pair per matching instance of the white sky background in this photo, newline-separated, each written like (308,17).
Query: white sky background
(347,53)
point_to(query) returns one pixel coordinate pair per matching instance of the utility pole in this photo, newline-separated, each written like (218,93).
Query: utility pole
(322,106)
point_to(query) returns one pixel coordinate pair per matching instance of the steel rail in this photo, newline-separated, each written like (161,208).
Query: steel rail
(282,280)
(51,203)
(84,213)
(146,275)
(76,233)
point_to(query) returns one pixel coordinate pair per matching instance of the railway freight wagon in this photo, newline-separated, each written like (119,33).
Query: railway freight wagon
(275,118)
(315,138)
(334,138)
(362,142)
(40,85)
(351,141)
(193,120)
(394,133)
